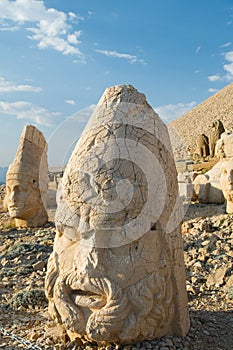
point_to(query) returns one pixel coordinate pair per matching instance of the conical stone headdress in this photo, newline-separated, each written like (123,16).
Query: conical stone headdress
(30,162)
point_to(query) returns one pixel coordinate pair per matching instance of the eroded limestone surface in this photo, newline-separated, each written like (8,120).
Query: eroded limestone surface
(116,273)
(207,187)
(27,180)
(227,183)
(224,146)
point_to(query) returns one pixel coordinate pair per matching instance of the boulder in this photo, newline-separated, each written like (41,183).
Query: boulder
(207,187)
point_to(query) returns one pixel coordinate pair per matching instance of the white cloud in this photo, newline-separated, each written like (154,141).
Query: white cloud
(71,102)
(73,38)
(214,77)
(228,68)
(53,28)
(74,17)
(6,27)
(29,111)
(130,58)
(8,86)
(226,45)
(212,90)
(173,111)
(229,56)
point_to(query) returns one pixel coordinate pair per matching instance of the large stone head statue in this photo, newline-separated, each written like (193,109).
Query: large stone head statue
(116,273)
(27,180)
(227,183)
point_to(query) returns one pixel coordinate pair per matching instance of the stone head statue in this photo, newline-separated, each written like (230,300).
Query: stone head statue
(27,180)
(203,145)
(116,273)
(227,183)
(216,130)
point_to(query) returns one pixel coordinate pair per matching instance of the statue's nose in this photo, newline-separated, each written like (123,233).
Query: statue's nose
(13,195)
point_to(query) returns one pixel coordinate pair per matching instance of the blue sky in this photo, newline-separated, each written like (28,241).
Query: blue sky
(58,57)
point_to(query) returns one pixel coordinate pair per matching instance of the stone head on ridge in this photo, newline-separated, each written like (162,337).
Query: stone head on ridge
(116,273)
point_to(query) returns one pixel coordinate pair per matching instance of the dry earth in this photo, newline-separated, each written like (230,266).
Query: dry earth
(208,243)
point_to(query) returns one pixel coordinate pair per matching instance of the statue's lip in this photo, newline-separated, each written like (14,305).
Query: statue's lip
(88,299)
(88,295)
(14,207)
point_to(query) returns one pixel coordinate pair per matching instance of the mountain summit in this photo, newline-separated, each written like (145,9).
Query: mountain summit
(199,120)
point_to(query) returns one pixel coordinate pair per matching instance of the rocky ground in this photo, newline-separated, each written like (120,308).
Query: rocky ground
(208,243)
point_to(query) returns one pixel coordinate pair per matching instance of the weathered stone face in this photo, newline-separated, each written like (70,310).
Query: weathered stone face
(27,180)
(117,273)
(227,183)
(21,199)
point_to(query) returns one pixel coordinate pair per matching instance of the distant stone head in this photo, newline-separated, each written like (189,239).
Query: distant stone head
(27,180)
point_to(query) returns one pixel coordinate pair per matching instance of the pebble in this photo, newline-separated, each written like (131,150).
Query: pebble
(39,265)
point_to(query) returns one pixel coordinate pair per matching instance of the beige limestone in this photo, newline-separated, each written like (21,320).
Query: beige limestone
(116,273)
(224,146)
(207,187)
(215,133)
(203,146)
(27,180)
(227,183)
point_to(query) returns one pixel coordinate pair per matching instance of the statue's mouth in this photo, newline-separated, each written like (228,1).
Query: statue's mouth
(88,299)
(14,207)
(88,295)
